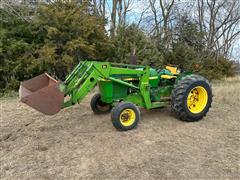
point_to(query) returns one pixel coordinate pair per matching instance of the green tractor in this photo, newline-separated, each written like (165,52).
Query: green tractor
(123,88)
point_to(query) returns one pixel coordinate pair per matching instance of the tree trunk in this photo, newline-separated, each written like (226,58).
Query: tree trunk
(113,18)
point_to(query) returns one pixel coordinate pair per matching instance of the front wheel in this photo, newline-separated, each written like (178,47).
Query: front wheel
(99,107)
(191,98)
(125,116)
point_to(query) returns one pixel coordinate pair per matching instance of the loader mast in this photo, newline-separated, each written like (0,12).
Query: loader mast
(86,74)
(77,85)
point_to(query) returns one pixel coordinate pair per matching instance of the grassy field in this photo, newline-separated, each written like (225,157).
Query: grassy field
(78,144)
(228,91)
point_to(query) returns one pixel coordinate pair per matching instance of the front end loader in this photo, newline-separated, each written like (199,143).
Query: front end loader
(123,88)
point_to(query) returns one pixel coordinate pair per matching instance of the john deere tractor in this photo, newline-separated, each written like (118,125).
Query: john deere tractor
(123,89)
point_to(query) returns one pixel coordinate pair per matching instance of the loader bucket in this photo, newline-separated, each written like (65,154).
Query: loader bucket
(42,94)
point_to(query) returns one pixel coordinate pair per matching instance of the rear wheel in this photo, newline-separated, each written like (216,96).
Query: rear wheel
(99,107)
(125,116)
(191,98)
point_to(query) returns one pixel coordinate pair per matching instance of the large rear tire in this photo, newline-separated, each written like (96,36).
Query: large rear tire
(99,107)
(191,98)
(125,116)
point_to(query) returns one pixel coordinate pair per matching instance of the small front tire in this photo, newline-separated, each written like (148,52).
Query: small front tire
(99,107)
(125,116)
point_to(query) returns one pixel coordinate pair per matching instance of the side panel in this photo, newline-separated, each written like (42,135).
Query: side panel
(161,93)
(136,99)
(119,91)
(111,91)
(106,90)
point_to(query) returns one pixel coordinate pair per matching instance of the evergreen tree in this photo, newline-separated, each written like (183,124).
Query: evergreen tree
(58,36)
(130,39)
(73,33)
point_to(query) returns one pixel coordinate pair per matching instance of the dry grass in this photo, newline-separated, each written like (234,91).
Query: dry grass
(228,90)
(76,144)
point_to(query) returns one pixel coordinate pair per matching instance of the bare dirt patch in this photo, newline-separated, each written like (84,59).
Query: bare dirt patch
(78,144)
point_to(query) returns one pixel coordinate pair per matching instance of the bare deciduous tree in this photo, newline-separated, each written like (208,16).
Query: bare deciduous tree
(99,7)
(219,20)
(161,12)
(166,9)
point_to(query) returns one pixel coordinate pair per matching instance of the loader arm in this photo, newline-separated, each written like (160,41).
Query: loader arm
(86,75)
(80,82)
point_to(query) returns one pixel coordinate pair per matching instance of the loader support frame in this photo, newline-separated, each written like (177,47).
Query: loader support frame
(87,74)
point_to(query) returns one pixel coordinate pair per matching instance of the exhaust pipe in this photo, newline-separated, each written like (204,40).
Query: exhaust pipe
(42,94)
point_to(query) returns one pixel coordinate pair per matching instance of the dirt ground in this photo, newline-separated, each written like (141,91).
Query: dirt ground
(76,144)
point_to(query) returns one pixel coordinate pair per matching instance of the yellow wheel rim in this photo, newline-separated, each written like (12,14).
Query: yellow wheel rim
(127,117)
(197,99)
